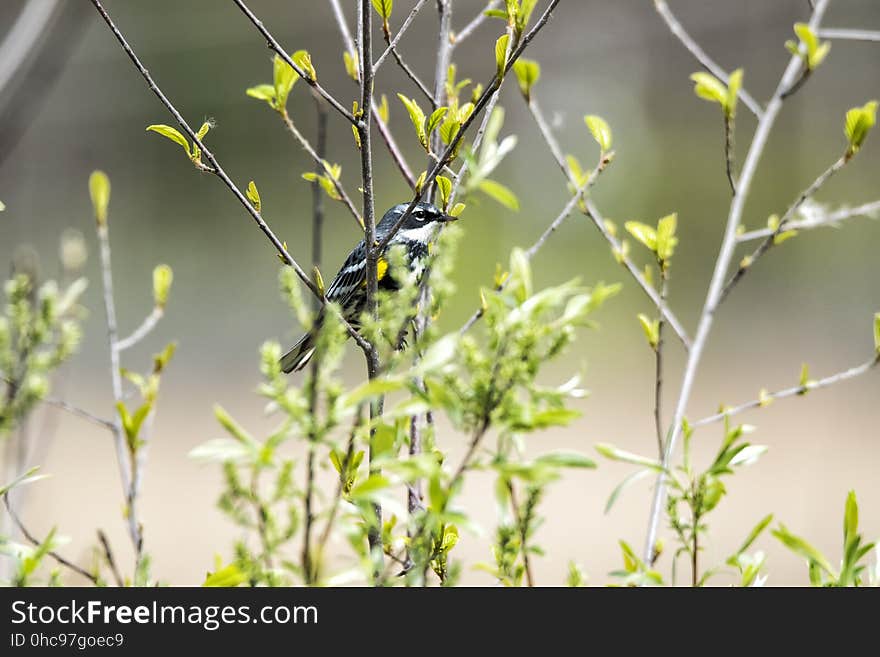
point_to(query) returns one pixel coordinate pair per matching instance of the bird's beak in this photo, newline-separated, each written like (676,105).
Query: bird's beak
(446,218)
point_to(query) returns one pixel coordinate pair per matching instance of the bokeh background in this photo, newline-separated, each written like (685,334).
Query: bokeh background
(810,301)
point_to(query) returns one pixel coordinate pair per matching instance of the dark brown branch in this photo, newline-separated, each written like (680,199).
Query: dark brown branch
(108,556)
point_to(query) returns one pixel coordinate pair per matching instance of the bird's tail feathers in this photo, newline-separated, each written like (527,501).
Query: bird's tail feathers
(299,355)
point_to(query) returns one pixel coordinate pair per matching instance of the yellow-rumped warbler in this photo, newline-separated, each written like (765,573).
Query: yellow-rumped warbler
(348,288)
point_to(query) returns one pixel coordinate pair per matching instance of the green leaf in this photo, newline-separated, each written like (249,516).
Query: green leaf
(734,84)
(527,72)
(303,59)
(163,276)
(171,133)
(623,485)
(264,92)
(666,239)
(235,430)
(203,130)
(859,121)
(417,116)
(562,459)
(807,36)
(644,233)
(615,454)
(27,478)
(600,130)
(651,327)
(755,533)
(501,54)
(350,62)
(434,120)
(444,186)
(369,488)
(877,333)
(521,272)
(850,518)
(799,546)
(99,191)
(457,209)
(383,8)
(498,192)
(283,79)
(253,195)
(231,575)
(710,88)
(382,111)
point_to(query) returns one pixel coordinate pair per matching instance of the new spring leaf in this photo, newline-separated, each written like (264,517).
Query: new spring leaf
(99,190)
(600,130)
(859,121)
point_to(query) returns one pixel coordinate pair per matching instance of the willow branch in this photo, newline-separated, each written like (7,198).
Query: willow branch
(278,50)
(702,57)
(870,210)
(471,27)
(658,362)
(850,35)
(392,44)
(108,556)
(716,286)
(141,331)
(598,221)
(798,390)
(79,412)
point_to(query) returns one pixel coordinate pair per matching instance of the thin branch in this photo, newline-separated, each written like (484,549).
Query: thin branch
(658,362)
(850,35)
(108,556)
(870,210)
(392,44)
(770,240)
(523,533)
(705,60)
(554,225)
(479,106)
(319,160)
(412,75)
(215,168)
(716,286)
(36,543)
(469,29)
(596,217)
(798,390)
(384,130)
(141,331)
(729,152)
(278,50)
(79,412)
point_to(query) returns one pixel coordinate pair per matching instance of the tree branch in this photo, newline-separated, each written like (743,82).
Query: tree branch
(716,286)
(393,43)
(702,57)
(278,50)
(870,210)
(108,555)
(469,29)
(79,412)
(596,217)
(141,331)
(798,390)
(850,35)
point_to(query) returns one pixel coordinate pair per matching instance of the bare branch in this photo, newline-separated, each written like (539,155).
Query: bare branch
(35,542)
(707,62)
(722,264)
(108,555)
(141,331)
(598,221)
(770,240)
(814,220)
(79,412)
(658,364)
(278,50)
(850,35)
(798,390)
(469,29)
(392,44)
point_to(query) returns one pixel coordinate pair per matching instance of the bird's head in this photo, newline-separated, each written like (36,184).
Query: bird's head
(420,226)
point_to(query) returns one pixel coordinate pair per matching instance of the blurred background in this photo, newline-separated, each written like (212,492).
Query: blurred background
(810,301)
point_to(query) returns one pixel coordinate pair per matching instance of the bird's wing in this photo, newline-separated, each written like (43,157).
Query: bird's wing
(350,276)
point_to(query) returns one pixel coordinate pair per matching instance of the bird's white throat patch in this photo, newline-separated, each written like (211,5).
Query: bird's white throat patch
(423,234)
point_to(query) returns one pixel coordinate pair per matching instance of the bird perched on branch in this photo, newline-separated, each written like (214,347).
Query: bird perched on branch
(349,287)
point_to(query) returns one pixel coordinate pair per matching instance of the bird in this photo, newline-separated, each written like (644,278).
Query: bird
(349,286)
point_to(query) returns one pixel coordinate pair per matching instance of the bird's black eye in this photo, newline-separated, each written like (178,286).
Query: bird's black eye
(419,214)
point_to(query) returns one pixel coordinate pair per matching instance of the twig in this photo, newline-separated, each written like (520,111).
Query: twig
(141,331)
(320,160)
(215,168)
(658,364)
(794,391)
(384,130)
(729,152)
(393,43)
(770,240)
(108,555)
(479,106)
(554,225)
(123,454)
(850,35)
(716,286)
(596,217)
(707,62)
(79,412)
(469,29)
(411,74)
(317,193)
(832,219)
(36,543)
(523,537)
(278,50)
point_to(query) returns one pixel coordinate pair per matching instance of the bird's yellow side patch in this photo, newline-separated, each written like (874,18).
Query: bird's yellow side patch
(381,270)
